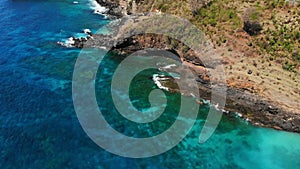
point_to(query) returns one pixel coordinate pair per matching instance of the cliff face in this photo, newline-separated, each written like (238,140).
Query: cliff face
(254,83)
(114,8)
(119,8)
(256,109)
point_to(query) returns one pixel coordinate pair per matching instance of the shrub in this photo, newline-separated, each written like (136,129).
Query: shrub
(296,56)
(288,66)
(213,22)
(251,23)
(252,28)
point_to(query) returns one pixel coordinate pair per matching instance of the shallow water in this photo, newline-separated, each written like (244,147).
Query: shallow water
(38,124)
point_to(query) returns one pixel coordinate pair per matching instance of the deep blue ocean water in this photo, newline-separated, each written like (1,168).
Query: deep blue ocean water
(39,127)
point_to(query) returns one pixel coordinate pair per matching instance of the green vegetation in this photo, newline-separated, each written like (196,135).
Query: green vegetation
(218,13)
(251,21)
(288,66)
(272,24)
(281,39)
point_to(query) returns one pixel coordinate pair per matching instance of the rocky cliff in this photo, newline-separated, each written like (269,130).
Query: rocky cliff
(245,93)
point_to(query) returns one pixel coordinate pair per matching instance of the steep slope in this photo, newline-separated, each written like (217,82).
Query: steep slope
(259,42)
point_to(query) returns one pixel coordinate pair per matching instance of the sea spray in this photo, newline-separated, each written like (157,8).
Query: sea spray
(98,9)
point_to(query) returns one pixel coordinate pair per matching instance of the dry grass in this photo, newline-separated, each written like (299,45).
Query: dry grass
(273,56)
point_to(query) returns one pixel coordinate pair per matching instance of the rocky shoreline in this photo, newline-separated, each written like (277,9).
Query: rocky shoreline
(114,9)
(253,108)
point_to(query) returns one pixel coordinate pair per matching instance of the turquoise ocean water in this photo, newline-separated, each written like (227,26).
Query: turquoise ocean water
(38,124)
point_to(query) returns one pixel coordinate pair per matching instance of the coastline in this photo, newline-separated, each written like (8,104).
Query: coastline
(251,106)
(40,127)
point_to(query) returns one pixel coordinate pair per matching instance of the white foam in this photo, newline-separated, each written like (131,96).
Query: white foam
(75,2)
(225,111)
(87,31)
(157,79)
(68,42)
(217,106)
(193,95)
(169,66)
(98,9)
(238,115)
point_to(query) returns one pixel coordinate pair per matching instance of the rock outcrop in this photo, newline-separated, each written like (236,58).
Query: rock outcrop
(113,8)
(254,108)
